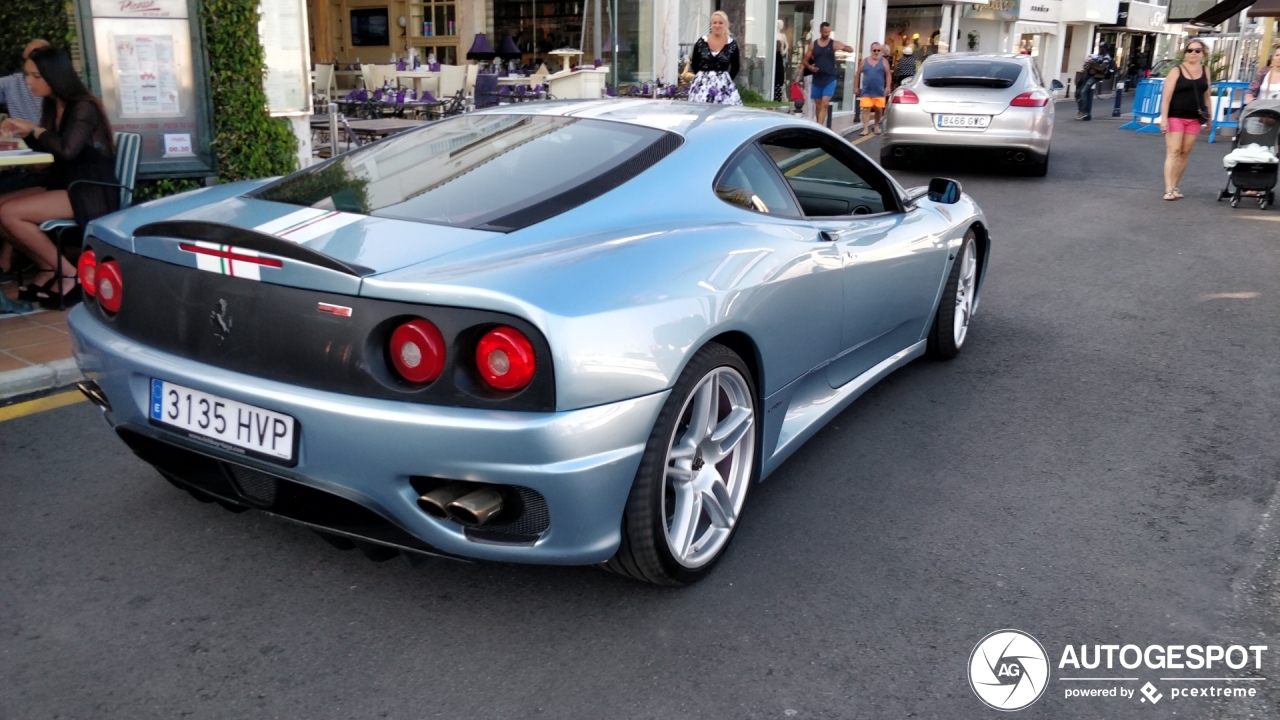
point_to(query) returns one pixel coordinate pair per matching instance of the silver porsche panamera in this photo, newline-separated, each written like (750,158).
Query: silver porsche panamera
(983,101)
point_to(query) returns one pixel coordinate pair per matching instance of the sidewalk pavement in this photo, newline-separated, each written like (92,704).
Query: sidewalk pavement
(35,351)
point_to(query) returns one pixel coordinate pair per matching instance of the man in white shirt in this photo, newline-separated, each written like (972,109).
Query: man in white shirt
(15,93)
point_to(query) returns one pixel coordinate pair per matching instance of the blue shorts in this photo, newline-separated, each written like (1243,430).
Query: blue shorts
(821,91)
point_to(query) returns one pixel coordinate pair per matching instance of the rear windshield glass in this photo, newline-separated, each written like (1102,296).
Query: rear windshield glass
(971,72)
(475,170)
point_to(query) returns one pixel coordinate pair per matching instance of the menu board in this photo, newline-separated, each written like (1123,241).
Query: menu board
(282,27)
(146,76)
(152,82)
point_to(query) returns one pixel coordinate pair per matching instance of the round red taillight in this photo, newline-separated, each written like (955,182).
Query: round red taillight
(505,359)
(86,268)
(417,351)
(110,286)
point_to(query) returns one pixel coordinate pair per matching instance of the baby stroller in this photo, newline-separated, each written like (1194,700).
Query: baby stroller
(1255,155)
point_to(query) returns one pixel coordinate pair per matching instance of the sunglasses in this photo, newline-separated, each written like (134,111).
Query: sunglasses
(1195,50)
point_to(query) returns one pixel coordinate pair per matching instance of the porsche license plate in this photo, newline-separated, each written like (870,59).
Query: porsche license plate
(227,424)
(962,122)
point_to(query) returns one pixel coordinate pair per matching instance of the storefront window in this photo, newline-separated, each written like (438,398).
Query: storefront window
(695,21)
(759,47)
(795,20)
(433,31)
(543,26)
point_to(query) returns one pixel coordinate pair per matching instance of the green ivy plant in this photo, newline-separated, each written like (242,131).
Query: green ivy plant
(248,143)
(145,190)
(22,21)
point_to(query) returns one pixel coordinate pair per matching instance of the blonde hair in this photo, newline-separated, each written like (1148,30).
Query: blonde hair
(722,14)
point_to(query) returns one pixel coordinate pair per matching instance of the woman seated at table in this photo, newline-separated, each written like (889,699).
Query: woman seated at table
(74,129)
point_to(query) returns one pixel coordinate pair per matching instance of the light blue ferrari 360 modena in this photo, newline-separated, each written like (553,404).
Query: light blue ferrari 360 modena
(566,332)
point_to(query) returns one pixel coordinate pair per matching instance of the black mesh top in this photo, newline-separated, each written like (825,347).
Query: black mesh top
(703,60)
(82,150)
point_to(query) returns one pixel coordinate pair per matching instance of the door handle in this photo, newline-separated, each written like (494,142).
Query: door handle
(827,236)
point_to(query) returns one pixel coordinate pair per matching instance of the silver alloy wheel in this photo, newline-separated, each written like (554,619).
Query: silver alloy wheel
(709,464)
(964,293)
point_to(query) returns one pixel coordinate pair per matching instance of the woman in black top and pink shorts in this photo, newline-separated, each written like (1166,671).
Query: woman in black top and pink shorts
(1186,95)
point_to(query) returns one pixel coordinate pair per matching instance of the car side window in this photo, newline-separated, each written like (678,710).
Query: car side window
(825,184)
(749,181)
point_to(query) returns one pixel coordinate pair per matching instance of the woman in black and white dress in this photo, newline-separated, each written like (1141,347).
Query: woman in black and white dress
(714,63)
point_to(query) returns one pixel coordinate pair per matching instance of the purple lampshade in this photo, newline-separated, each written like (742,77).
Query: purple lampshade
(428,97)
(481,49)
(434,67)
(507,49)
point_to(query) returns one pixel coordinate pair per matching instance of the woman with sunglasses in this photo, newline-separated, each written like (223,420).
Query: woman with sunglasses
(1184,108)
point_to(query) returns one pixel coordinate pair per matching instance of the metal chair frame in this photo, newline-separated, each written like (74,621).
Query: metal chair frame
(126,172)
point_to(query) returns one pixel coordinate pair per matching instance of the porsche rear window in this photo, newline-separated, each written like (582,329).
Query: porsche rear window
(493,172)
(971,72)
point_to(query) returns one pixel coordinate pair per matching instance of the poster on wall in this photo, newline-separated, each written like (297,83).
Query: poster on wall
(146,75)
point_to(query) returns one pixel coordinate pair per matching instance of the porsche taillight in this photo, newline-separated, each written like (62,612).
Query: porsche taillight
(1034,98)
(903,96)
(417,351)
(110,286)
(505,359)
(86,269)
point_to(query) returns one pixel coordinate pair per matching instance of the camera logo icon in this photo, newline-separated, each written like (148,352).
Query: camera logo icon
(1008,670)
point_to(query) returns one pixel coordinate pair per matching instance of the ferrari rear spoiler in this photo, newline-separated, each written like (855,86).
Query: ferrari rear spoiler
(249,240)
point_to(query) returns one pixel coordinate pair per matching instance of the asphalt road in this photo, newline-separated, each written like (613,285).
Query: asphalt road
(1099,466)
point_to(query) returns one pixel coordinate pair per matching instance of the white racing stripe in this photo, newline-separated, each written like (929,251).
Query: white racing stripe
(308,224)
(226,265)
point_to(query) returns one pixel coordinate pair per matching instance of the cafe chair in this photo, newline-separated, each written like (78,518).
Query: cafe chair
(128,146)
(326,88)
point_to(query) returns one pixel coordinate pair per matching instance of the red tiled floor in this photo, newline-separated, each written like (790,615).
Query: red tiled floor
(30,335)
(51,318)
(9,362)
(44,352)
(13,322)
(34,338)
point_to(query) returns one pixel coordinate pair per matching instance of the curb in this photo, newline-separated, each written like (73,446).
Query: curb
(22,381)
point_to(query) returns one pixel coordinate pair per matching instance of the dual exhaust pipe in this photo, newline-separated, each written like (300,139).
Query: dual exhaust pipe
(1015,156)
(464,502)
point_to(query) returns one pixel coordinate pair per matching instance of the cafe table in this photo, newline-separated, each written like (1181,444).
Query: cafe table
(382,127)
(23,156)
(423,80)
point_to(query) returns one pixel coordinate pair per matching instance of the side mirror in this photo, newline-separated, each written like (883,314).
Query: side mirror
(1055,84)
(945,191)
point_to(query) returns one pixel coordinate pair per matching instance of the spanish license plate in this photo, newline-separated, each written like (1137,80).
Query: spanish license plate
(226,424)
(962,122)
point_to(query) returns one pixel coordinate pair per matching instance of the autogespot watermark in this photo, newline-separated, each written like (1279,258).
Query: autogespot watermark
(1009,670)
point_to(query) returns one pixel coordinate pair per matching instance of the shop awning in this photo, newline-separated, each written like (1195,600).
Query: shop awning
(1031,27)
(1265,8)
(1222,12)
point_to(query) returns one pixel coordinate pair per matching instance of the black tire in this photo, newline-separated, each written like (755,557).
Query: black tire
(942,341)
(644,553)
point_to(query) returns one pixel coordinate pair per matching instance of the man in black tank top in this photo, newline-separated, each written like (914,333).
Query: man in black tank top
(821,61)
